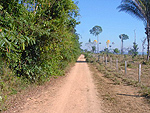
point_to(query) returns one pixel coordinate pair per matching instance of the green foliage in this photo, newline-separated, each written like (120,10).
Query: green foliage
(93,49)
(123,37)
(116,50)
(106,50)
(39,45)
(96,30)
(134,51)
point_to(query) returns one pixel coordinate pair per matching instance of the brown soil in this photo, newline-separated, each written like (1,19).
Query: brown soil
(74,93)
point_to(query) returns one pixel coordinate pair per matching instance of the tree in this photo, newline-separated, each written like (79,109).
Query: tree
(93,49)
(116,50)
(89,40)
(143,44)
(106,50)
(96,30)
(123,37)
(140,9)
(134,50)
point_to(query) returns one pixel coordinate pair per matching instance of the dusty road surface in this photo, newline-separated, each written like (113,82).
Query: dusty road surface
(74,94)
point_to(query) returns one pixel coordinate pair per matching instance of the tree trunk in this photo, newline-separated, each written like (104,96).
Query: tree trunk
(121,46)
(148,39)
(97,44)
(148,51)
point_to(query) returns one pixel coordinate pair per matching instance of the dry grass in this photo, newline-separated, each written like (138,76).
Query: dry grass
(115,96)
(131,78)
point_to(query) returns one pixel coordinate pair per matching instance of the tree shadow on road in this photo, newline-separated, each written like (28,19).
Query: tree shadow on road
(130,95)
(80,61)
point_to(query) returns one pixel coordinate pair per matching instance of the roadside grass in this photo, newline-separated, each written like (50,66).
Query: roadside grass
(106,95)
(10,85)
(119,77)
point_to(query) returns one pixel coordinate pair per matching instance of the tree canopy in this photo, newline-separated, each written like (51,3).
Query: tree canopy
(96,30)
(123,37)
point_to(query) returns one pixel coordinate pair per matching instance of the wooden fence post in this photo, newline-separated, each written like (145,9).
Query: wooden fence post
(106,61)
(139,77)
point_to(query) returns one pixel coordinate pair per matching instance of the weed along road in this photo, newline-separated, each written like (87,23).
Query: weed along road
(76,93)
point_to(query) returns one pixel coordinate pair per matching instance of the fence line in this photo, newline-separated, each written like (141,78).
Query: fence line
(110,61)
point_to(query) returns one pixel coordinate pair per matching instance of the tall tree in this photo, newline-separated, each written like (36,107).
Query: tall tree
(96,30)
(135,49)
(140,9)
(123,37)
(143,44)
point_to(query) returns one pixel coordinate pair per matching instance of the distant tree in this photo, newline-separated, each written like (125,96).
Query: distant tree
(89,40)
(106,50)
(140,9)
(123,37)
(143,44)
(134,50)
(116,51)
(96,30)
(93,49)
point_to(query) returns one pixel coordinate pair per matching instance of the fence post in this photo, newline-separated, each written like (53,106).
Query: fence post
(106,61)
(117,64)
(139,78)
(125,67)
(103,59)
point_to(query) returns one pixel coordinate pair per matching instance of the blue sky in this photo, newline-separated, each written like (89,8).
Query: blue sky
(104,13)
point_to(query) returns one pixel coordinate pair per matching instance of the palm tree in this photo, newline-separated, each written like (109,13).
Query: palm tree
(96,30)
(140,9)
(123,37)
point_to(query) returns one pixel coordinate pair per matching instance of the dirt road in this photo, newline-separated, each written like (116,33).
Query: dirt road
(76,93)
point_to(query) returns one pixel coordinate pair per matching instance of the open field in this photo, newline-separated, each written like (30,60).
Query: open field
(113,67)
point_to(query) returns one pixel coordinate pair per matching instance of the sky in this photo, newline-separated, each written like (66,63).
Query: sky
(104,13)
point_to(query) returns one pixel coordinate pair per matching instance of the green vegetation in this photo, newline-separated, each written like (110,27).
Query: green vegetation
(134,51)
(37,40)
(93,49)
(116,51)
